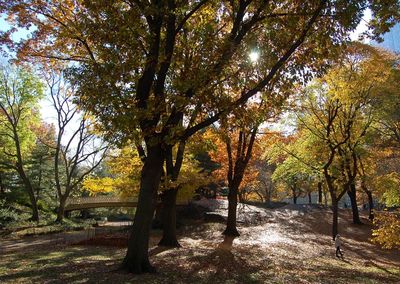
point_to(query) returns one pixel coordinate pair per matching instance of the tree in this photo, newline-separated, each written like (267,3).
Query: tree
(20,93)
(40,164)
(140,55)
(234,162)
(81,148)
(338,114)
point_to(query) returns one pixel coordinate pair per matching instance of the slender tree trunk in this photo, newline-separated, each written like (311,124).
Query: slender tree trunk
(268,196)
(137,258)
(2,187)
(294,196)
(35,211)
(334,199)
(31,193)
(335,215)
(231,229)
(319,192)
(352,193)
(241,197)
(25,179)
(370,205)
(39,179)
(61,208)
(158,220)
(168,210)
(309,198)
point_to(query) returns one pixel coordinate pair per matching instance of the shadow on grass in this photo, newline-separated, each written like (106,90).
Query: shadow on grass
(159,249)
(68,265)
(335,274)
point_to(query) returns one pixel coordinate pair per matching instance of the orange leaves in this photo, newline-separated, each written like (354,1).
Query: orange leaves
(222,140)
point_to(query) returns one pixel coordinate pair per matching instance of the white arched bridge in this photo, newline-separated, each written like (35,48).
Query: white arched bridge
(79,203)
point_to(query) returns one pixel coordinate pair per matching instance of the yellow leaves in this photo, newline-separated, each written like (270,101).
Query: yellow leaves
(97,185)
(124,166)
(190,178)
(389,188)
(388,232)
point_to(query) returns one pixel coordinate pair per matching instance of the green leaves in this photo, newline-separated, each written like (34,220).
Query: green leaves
(20,92)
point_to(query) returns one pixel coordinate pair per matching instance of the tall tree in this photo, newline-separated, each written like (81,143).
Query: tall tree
(238,144)
(337,114)
(20,93)
(80,149)
(40,163)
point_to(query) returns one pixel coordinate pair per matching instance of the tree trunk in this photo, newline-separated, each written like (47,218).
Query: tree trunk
(137,257)
(370,200)
(352,193)
(335,215)
(370,205)
(61,209)
(268,196)
(231,229)
(35,211)
(241,197)
(319,192)
(31,193)
(294,196)
(309,198)
(168,210)
(2,187)
(157,222)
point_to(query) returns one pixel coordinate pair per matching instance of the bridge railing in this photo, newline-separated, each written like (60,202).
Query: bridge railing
(78,203)
(99,199)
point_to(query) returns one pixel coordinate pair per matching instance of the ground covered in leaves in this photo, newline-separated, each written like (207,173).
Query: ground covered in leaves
(289,245)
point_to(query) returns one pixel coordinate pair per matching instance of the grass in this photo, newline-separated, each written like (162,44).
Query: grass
(20,225)
(79,264)
(45,227)
(286,249)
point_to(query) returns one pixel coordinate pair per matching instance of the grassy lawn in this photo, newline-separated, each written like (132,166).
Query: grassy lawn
(283,250)
(90,264)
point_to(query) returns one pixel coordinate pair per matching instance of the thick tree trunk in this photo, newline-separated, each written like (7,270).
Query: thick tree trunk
(61,209)
(352,193)
(319,192)
(168,211)
(231,229)
(137,258)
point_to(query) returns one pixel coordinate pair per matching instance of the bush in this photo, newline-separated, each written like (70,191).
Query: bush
(7,214)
